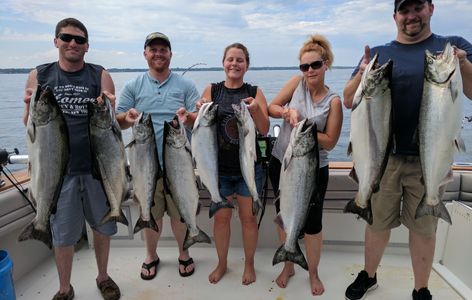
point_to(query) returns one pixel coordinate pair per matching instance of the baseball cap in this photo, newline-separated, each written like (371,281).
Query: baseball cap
(399,3)
(156,35)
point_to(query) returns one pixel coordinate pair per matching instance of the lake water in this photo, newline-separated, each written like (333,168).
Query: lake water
(12,131)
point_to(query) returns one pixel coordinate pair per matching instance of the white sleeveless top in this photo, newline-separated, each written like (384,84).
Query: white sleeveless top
(302,102)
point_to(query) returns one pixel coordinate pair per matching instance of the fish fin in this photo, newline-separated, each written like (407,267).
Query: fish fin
(415,138)
(201,237)
(349,149)
(364,213)
(31,232)
(459,144)
(353,175)
(297,257)
(141,224)
(31,132)
(278,220)
(215,206)
(131,143)
(439,210)
(287,158)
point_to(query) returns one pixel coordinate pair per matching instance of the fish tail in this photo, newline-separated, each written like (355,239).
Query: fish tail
(30,232)
(121,218)
(256,205)
(296,257)
(439,210)
(141,224)
(201,237)
(365,213)
(215,206)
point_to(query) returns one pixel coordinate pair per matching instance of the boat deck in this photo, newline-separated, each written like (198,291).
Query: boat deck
(338,268)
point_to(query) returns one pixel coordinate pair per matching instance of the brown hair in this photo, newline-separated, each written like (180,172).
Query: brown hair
(237,46)
(319,44)
(71,22)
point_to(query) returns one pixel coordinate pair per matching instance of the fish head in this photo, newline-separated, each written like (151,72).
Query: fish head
(440,68)
(143,128)
(174,133)
(44,106)
(303,137)
(101,113)
(206,115)
(376,78)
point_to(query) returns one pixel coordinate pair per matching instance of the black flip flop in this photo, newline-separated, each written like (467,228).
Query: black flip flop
(148,268)
(186,263)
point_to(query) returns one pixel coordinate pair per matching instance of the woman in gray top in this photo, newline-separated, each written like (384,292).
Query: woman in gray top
(307,96)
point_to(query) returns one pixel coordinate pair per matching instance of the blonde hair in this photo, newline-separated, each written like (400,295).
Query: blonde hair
(319,44)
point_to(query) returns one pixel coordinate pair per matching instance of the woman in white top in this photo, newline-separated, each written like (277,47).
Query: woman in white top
(307,96)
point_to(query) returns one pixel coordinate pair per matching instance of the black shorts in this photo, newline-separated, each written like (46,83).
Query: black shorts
(313,223)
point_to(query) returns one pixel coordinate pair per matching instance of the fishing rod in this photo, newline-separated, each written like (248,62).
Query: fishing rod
(14,158)
(194,65)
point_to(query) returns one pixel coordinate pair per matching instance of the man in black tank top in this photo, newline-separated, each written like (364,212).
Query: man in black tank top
(74,84)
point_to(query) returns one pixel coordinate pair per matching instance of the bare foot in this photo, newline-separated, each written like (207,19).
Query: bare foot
(317,287)
(249,275)
(217,273)
(287,272)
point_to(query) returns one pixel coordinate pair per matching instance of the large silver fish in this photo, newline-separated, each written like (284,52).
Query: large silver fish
(180,179)
(298,181)
(439,128)
(48,152)
(370,135)
(205,153)
(108,152)
(247,151)
(145,169)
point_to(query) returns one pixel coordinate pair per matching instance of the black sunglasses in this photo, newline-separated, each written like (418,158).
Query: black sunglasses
(69,37)
(314,65)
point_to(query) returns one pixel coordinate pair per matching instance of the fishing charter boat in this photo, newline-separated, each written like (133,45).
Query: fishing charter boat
(35,275)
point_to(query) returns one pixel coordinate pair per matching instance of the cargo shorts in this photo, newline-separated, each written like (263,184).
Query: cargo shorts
(401,191)
(81,198)
(163,202)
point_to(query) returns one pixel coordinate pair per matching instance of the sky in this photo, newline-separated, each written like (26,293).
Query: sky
(199,30)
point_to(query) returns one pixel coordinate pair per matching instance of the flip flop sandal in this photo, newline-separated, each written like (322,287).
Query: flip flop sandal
(152,264)
(186,263)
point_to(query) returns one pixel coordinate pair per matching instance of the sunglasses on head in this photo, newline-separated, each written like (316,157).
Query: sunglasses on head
(69,37)
(314,65)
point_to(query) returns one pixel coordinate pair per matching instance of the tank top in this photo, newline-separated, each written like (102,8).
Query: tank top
(227,127)
(302,102)
(73,90)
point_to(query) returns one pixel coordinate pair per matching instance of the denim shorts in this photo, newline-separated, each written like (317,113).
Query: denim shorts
(82,198)
(230,185)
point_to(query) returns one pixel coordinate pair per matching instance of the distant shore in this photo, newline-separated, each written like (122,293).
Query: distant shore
(121,70)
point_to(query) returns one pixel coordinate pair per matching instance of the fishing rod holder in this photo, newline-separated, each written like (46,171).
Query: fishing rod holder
(12,157)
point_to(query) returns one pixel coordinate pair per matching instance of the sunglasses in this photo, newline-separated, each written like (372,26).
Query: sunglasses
(314,65)
(69,37)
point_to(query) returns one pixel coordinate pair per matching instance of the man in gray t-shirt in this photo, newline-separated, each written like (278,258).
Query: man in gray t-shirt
(162,94)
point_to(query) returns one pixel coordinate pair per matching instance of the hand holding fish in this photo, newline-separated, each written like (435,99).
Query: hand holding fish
(131,116)
(28,94)
(365,59)
(252,105)
(110,97)
(200,102)
(291,116)
(461,54)
(182,114)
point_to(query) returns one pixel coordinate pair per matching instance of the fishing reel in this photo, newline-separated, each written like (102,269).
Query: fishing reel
(5,156)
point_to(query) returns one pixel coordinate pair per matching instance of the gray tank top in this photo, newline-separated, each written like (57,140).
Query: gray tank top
(73,90)
(301,101)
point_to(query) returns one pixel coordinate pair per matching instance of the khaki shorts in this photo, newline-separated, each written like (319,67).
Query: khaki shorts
(401,181)
(163,202)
